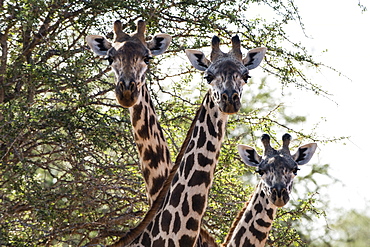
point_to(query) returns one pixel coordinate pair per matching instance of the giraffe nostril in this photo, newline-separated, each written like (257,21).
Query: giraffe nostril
(235,97)
(132,86)
(224,97)
(121,85)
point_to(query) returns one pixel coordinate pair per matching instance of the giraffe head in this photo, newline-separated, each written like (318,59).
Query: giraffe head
(129,57)
(277,167)
(226,72)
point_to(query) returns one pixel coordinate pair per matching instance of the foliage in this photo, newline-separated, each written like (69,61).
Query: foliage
(69,169)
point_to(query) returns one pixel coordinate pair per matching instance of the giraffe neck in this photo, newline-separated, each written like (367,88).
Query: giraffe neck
(177,222)
(252,228)
(155,160)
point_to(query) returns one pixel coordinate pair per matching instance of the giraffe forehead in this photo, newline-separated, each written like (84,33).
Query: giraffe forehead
(278,162)
(227,65)
(130,49)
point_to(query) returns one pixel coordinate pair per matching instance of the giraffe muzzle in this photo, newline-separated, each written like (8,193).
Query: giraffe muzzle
(230,102)
(279,196)
(126,93)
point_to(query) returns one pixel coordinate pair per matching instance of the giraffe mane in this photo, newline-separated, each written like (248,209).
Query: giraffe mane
(149,216)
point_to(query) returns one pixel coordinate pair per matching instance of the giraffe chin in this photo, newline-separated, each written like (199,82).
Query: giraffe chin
(126,101)
(280,202)
(126,98)
(229,108)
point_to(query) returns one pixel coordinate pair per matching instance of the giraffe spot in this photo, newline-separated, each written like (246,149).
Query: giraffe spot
(186,241)
(146,175)
(220,129)
(201,138)
(190,146)
(143,132)
(258,207)
(152,121)
(262,194)
(149,227)
(171,243)
(195,131)
(212,103)
(176,223)
(168,156)
(255,198)
(257,233)
(211,127)
(185,206)
(159,243)
(217,155)
(263,223)
(175,178)
(166,199)
(152,156)
(248,216)
(199,178)
(247,243)
(155,230)
(136,115)
(166,221)
(192,224)
(239,235)
(270,213)
(157,184)
(176,195)
(198,203)
(146,241)
(189,165)
(215,115)
(160,152)
(202,114)
(203,160)
(211,147)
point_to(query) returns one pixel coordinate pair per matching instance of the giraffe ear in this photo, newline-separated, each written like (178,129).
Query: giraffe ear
(254,57)
(98,44)
(304,153)
(159,44)
(249,155)
(198,59)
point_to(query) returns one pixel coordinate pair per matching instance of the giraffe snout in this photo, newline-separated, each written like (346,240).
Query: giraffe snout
(126,93)
(279,195)
(230,101)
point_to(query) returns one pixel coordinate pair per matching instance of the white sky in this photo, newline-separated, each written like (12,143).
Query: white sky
(342,29)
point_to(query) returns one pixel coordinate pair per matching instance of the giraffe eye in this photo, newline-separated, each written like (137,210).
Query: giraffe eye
(209,78)
(147,59)
(295,171)
(109,58)
(245,77)
(260,172)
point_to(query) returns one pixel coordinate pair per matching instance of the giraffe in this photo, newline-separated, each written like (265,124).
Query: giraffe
(129,57)
(177,221)
(277,169)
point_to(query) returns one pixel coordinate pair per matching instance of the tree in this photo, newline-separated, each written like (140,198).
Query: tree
(69,170)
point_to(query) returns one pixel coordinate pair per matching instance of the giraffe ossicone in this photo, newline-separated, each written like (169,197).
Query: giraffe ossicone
(277,169)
